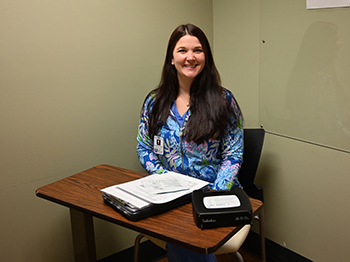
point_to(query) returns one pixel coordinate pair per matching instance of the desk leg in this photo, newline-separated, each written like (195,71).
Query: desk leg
(83,236)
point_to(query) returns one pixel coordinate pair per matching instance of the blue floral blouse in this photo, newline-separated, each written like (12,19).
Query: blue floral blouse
(215,161)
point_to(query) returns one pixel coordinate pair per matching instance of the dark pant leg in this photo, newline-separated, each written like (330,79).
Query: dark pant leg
(180,254)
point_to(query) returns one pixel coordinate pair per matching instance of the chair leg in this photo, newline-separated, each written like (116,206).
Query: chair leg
(238,256)
(262,236)
(260,217)
(137,247)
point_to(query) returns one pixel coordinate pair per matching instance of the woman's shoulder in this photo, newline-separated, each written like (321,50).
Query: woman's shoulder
(149,100)
(228,95)
(226,92)
(231,100)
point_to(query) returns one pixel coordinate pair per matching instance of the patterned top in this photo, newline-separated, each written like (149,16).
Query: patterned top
(215,161)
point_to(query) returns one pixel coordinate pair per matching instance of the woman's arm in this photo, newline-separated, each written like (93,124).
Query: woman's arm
(232,157)
(148,159)
(232,151)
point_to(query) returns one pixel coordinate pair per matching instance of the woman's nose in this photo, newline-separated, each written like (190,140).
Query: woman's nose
(190,57)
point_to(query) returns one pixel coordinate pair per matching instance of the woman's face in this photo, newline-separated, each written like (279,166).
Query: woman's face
(188,57)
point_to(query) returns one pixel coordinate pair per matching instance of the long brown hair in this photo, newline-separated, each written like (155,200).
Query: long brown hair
(211,114)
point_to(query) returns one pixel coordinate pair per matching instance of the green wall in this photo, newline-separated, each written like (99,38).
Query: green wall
(73,76)
(306,183)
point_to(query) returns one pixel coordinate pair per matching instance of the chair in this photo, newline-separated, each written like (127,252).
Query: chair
(253,144)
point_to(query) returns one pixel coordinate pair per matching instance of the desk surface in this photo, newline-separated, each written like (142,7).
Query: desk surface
(82,192)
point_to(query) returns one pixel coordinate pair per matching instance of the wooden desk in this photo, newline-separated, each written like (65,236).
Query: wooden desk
(81,193)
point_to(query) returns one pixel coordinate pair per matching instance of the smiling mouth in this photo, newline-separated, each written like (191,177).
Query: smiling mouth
(190,66)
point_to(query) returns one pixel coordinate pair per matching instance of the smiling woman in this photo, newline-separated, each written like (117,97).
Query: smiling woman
(197,121)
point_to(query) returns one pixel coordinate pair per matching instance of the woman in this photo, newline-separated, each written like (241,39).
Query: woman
(190,124)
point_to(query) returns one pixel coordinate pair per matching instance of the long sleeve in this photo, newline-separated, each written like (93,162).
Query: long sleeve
(232,154)
(148,159)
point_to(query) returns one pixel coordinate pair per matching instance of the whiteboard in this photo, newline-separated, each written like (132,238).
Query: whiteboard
(315,4)
(305,72)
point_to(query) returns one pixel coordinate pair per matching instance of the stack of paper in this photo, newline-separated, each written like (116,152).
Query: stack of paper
(155,189)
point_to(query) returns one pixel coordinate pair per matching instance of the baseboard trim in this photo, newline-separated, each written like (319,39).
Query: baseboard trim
(150,252)
(274,251)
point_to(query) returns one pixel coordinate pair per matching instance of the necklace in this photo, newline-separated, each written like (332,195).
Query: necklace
(187,104)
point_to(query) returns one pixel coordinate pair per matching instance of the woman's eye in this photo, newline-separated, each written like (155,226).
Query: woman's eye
(198,50)
(182,51)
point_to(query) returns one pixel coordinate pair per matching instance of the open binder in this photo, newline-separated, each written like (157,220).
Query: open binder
(152,194)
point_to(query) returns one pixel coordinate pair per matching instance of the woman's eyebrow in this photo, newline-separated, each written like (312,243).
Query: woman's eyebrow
(183,47)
